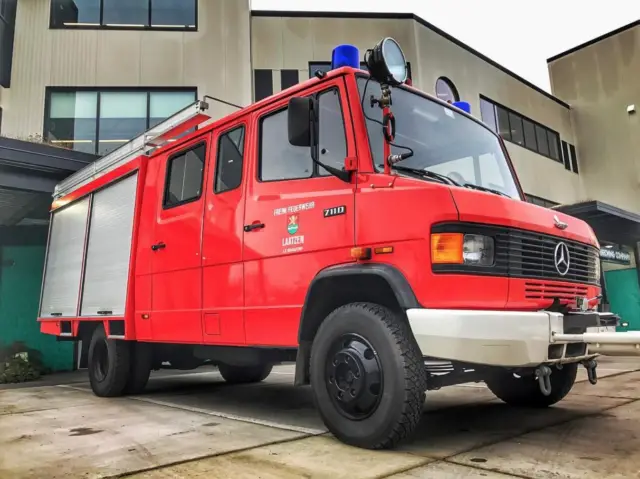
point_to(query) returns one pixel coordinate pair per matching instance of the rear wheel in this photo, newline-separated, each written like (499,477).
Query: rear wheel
(244,374)
(367,376)
(524,391)
(109,362)
(140,370)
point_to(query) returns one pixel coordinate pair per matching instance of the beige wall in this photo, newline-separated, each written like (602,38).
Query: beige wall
(291,43)
(215,59)
(600,81)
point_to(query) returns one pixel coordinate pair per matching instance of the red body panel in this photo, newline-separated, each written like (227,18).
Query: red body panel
(214,283)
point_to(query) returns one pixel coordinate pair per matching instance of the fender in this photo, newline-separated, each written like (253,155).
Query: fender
(341,284)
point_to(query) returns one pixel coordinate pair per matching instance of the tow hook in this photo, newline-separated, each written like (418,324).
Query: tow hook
(591,366)
(543,374)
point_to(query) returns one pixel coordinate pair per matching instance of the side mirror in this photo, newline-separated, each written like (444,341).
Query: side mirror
(300,121)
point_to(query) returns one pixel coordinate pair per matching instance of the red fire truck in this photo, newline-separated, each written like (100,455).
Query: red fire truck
(370,233)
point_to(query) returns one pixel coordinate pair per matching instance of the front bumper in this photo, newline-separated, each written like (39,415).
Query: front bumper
(518,339)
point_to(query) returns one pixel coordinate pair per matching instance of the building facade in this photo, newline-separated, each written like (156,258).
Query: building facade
(88,76)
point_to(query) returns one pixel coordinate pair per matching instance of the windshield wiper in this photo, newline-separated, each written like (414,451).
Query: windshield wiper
(427,174)
(484,188)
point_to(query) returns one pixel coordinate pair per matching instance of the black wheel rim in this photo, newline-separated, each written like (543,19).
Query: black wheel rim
(354,377)
(101,360)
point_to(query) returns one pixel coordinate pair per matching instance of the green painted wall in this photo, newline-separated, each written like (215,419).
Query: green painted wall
(19,299)
(623,293)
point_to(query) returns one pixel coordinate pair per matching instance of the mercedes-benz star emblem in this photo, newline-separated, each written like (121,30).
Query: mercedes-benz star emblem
(559,224)
(562,258)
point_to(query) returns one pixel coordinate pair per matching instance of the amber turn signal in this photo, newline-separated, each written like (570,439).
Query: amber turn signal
(361,253)
(446,248)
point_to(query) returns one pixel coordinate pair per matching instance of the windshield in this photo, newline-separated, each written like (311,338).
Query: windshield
(443,140)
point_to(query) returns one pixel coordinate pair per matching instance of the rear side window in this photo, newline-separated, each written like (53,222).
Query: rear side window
(184,177)
(279,159)
(230,160)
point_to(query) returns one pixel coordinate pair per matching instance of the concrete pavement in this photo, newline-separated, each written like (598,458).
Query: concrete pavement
(194,425)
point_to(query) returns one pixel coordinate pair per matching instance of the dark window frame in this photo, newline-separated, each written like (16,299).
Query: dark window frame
(167,174)
(362,64)
(243,154)
(535,124)
(98,90)
(102,25)
(316,168)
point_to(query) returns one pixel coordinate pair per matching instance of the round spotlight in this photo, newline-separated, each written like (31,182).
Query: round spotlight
(386,63)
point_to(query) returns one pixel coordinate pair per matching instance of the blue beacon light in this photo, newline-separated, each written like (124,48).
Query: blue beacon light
(345,56)
(463,105)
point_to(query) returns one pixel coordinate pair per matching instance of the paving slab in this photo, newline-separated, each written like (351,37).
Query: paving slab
(16,401)
(620,386)
(447,432)
(113,436)
(314,457)
(445,470)
(603,445)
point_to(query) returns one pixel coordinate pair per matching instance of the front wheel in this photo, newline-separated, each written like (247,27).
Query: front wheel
(367,376)
(524,391)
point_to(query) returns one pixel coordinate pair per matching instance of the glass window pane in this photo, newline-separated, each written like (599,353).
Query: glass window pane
(123,115)
(503,123)
(75,12)
(332,140)
(543,144)
(164,104)
(554,148)
(173,13)
(229,162)
(530,135)
(126,12)
(185,174)
(279,159)
(515,123)
(72,120)
(488,114)
(445,90)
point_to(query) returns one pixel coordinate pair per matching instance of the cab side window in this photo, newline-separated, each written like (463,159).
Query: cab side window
(184,177)
(279,159)
(230,159)
(332,144)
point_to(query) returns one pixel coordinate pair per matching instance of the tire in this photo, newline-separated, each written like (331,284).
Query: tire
(109,364)
(140,368)
(381,409)
(245,374)
(525,391)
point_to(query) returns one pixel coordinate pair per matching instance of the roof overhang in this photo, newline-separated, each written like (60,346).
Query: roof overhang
(610,223)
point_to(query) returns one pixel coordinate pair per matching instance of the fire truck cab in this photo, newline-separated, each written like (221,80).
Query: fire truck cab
(370,233)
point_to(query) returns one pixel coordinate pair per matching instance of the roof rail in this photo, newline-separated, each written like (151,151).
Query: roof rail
(144,144)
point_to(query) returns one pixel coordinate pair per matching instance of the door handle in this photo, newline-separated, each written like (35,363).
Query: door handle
(158,246)
(253,226)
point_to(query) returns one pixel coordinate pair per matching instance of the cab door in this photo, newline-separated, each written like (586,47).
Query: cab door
(223,272)
(298,218)
(176,264)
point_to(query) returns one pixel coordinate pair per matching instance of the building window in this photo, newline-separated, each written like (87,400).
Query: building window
(99,121)
(262,84)
(536,200)
(325,67)
(230,160)
(151,14)
(446,90)
(185,173)
(288,78)
(518,129)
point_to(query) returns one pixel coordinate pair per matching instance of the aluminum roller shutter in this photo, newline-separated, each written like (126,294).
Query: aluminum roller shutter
(64,261)
(109,249)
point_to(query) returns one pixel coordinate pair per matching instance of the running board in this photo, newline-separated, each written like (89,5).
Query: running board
(606,343)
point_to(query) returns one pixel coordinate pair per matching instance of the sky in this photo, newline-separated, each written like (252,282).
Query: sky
(517,34)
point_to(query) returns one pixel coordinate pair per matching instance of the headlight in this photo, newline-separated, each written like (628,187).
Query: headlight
(458,248)
(597,268)
(478,250)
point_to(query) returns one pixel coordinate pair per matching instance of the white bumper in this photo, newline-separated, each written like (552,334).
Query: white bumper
(511,338)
